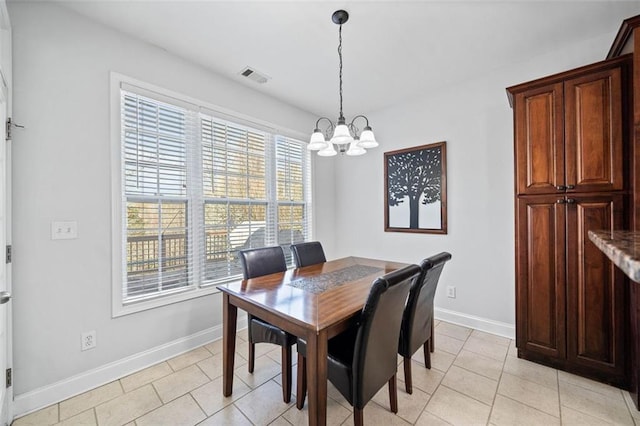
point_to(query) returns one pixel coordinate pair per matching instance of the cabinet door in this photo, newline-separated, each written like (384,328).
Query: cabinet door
(595,289)
(540,288)
(539,140)
(593,131)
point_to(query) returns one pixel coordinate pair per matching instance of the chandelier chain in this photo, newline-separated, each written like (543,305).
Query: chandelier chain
(340,56)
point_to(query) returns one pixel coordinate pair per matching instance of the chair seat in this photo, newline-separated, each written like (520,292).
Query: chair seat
(414,336)
(264,332)
(339,361)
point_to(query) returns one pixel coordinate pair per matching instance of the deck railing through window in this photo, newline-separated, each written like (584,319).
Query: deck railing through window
(148,255)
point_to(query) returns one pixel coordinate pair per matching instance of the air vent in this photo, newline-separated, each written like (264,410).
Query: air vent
(254,75)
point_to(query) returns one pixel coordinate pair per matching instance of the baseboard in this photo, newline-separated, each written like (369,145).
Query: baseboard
(483,324)
(51,394)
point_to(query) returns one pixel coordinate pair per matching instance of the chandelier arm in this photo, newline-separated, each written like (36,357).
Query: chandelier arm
(324,118)
(353,129)
(327,132)
(360,116)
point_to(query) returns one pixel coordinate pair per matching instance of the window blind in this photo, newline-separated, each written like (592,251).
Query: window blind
(292,192)
(196,189)
(155,196)
(234,165)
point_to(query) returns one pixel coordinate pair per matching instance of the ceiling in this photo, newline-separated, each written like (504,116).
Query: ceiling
(393,50)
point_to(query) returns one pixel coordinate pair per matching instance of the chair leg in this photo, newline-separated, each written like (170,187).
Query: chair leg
(252,355)
(286,373)
(427,353)
(432,341)
(393,394)
(302,382)
(408,384)
(358,417)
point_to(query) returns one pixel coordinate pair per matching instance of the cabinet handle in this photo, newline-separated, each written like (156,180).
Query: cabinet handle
(560,201)
(561,187)
(571,186)
(570,201)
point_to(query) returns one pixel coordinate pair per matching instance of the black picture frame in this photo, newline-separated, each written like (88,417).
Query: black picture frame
(415,189)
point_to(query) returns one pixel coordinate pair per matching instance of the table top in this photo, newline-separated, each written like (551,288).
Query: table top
(316,296)
(622,247)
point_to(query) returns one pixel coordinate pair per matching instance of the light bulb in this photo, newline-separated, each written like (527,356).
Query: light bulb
(355,149)
(367,139)
(317,141)
(341,135)
(328,151)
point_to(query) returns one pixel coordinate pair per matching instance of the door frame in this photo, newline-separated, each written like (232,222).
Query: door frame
(6,86)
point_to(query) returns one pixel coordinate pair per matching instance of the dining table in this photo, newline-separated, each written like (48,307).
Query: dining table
(314,302)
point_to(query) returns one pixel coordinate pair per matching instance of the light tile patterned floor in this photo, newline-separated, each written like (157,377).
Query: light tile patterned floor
(476,379)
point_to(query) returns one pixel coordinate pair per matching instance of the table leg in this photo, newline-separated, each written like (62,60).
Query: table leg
(229,316)
(317,377)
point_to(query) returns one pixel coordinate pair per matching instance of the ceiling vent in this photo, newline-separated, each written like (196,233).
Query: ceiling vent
(254,75)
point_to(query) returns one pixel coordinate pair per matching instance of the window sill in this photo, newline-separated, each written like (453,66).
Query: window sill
(123,309)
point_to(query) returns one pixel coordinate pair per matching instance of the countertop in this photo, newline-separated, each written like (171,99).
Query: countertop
(622,247)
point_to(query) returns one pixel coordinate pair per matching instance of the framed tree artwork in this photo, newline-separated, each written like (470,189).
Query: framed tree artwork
(415,196)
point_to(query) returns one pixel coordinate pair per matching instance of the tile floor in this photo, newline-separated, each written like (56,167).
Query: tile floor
(476,378)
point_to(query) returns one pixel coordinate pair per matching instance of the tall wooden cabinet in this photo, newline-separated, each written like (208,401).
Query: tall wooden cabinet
(627,41)
(571,177)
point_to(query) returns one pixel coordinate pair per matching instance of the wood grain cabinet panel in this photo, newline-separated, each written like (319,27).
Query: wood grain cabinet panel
(595,288)
(539,144)
(593,132)
(540,287)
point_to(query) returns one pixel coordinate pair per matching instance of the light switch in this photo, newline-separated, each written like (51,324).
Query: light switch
(64,230)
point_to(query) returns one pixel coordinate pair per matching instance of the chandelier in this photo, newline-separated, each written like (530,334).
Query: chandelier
(346,137)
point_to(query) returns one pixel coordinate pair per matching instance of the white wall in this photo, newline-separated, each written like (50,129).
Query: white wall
(61,171)
(475,120)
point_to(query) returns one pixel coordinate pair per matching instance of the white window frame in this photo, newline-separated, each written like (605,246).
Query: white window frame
(118,240)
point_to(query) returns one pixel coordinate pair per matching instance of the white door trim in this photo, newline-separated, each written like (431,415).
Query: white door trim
(7,94)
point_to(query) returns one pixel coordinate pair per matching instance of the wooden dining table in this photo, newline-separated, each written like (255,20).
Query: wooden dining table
(315,302)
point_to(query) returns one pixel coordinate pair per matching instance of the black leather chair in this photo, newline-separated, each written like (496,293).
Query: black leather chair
(364,358)
(417,319)
(255,263)
(309,253)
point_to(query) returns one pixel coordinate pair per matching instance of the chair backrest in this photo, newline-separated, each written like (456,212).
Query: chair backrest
(262,261)
(418,313)
(375,357)
(309,253)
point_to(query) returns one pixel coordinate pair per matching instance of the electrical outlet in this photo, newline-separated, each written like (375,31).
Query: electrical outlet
(451,292)
(88,340)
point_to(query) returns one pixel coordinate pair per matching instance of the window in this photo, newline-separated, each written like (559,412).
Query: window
(154,147)
(196,187)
